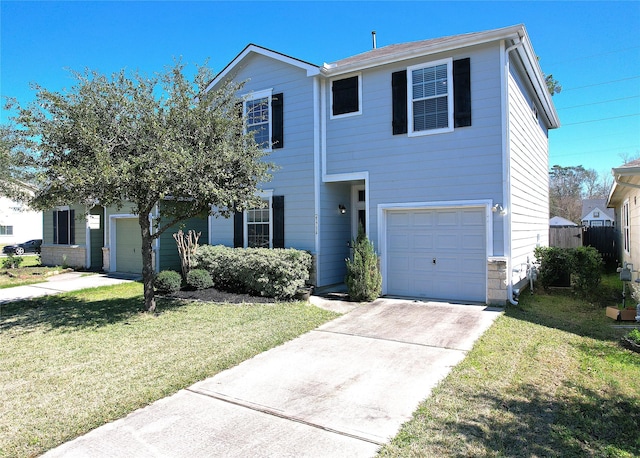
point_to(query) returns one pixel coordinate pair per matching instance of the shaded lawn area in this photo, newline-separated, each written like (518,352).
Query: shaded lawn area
(73,362)
(548,379)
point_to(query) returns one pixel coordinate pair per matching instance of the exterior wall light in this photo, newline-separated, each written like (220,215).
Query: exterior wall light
(342,209)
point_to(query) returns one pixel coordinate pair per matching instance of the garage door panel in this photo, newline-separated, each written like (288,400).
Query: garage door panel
(456,238)
(128,246)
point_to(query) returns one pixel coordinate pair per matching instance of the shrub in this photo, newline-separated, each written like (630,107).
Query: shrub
(257,271)
(168,281)
(363,279)
(584,264)
(634,335)
(199,279)
(12,262)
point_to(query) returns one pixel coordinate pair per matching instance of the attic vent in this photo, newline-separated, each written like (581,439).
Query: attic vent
(373,39)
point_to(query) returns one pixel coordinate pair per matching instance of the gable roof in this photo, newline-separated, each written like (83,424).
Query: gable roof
(311,69)
(625,176)
(559,221)
(588,205)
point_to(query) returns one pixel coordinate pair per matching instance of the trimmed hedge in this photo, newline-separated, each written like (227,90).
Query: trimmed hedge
(199,279)
(168,281)
(257,271)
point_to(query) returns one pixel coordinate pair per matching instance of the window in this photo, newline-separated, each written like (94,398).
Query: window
(261,227)
(64,227)
(264,116)
(625,226)
(430,100)
(6,230)
(345,96)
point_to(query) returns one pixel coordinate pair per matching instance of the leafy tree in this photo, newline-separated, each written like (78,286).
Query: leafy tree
(17,165)
(138,141)
(569,185)
(553,85)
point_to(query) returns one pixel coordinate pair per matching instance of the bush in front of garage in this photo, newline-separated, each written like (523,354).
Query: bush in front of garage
(257,271)
(363,279)
(168,281)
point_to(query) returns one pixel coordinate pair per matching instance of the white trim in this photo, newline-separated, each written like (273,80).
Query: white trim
(311,70)
(411,132)
(87,242)
(443,205)
(625,220)
(317,137)
(266,194)
(353,113)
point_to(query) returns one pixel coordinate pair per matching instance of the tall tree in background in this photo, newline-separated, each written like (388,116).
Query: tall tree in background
(140,141)
(569,185)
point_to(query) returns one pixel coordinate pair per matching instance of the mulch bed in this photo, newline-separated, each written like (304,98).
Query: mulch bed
(215,295)
(630,344)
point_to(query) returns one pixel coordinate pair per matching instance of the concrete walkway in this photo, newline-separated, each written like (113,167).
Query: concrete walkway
(341,390)
(61,283)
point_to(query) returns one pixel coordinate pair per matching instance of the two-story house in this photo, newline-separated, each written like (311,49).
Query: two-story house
(437,148)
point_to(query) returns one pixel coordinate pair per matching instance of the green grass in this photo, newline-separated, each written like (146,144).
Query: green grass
(548,379)
(28,273)
(73,362)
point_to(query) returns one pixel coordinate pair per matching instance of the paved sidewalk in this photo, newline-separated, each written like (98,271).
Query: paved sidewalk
(341,390)
(61,283)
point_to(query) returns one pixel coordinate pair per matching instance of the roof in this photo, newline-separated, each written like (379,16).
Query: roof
(559,221)
(624,177)
(588,205)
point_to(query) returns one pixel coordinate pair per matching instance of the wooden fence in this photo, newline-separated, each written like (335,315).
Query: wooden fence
(565,237)
(603,239)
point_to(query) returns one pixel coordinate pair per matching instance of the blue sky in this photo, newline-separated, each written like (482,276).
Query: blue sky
(591,47)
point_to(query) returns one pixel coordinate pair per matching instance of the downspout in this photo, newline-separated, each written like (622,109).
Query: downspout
(507,171)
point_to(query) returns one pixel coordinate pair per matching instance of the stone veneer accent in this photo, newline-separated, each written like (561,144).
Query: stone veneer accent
(497,280)
(60,255)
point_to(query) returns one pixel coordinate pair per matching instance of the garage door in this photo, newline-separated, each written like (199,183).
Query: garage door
(437,254)
(128,243)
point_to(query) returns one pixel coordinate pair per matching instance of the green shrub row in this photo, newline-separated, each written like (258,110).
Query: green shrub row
(257,271)
(584,264)
(170,281)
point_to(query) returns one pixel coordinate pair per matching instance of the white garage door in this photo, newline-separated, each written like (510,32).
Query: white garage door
(437,254)
(128,243)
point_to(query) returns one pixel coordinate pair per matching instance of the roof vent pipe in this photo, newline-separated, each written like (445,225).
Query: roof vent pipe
(373,39)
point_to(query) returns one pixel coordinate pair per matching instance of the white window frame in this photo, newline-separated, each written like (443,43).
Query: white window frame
(411,132)
(268,196)
(354,113)
(6,233)
(257,95)
(626,229)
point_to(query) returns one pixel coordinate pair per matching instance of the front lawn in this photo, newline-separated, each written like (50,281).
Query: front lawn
(29,272)
(548,379)
(73,362)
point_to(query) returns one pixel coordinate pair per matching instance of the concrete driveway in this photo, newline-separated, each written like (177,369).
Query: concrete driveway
(342,390)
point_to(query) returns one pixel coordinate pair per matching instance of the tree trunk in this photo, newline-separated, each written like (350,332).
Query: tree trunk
(148,272)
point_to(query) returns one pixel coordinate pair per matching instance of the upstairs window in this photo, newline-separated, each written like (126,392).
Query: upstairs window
(345,96)
(264,116)
(430,98)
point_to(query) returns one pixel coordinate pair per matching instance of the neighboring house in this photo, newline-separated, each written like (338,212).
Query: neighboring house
(559,221)
(625,199)
(17,222)
(437,148)
(596,213)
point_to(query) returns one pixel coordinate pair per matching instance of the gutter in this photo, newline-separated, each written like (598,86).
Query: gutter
(507,172)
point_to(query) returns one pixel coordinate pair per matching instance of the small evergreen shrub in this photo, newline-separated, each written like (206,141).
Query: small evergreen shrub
(257,271)
(363,279)
(634,335)
(199,279)
(583,264)
(12,261)
(168,281)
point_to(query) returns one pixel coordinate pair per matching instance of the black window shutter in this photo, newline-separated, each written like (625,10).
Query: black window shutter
(55,227)
(238,230)
(72,227)
(462,92)
(399,101)
(277,126)
(278,221)
(345,96)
